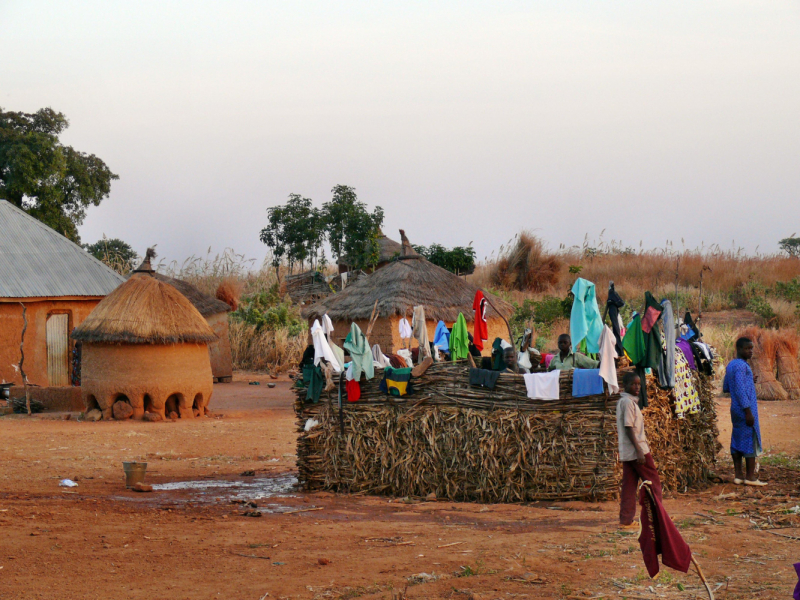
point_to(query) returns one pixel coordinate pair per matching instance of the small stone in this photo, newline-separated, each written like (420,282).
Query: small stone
(152,417)
(122,410)
(249,473)
(323,561)
(173,416)
(142,487)
(252,513)
(93,415)
(431,497)
(67,417)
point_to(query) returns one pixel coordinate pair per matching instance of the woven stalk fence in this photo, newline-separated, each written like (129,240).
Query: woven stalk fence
(473,444)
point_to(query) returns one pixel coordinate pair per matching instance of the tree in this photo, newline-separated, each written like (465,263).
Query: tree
(115,253)
(295,232)
(791,246)
(459,259)
(52,182)
(352,230)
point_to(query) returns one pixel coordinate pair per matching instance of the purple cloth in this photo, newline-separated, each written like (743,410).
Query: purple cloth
(796,595)
(739,383)
(686,348)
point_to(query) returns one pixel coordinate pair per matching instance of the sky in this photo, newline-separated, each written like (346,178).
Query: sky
(466,121)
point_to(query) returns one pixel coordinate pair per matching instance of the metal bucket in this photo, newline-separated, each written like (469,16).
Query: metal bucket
(134,473)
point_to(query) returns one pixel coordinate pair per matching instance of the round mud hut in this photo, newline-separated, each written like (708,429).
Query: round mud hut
(145,353)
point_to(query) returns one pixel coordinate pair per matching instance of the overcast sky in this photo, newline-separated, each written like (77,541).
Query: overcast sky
(466,121)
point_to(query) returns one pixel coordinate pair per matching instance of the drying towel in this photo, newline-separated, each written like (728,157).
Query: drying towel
(357,345)
(396,382)
(459,339)
(483,377)
(327,325)
(420,329)
(353,390)
(586,382)
(608,352)
(542,386)
(481,333)
(405,329)
(660,536)
(441,338)
(585,322)
(322,348)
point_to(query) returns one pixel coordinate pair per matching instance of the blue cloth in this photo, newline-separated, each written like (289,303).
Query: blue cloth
(585,321)
(441,338)
(739,383)
(586,382)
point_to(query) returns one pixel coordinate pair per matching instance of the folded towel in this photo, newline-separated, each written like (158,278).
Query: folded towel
(483,377)
(586,382)
(542,386)
(396,382)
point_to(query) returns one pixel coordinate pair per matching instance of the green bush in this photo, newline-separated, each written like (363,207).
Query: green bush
(267,310)
(760,306)
(788,290)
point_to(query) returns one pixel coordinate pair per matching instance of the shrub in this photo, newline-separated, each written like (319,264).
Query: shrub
(760,306)
(788,290)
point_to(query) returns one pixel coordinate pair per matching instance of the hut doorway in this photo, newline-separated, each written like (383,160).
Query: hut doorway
(57,331)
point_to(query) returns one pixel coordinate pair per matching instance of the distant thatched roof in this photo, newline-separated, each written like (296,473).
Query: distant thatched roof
(205,304)
(389,249)
(398,287)
(145,310)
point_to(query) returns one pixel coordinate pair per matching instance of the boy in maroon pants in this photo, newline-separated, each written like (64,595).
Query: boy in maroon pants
(634,453)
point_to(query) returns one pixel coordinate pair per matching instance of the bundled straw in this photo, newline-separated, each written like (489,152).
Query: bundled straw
(788,344)
(466,443)
(763,363)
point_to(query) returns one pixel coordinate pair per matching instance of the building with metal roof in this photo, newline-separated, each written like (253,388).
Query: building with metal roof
(56,284)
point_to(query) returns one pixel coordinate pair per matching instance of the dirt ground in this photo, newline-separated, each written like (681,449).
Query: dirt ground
(192,540)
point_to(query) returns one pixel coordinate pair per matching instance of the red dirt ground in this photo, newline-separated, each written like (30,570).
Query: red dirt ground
(99,540)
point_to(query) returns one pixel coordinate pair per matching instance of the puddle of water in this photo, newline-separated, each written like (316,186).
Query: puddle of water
(223,490)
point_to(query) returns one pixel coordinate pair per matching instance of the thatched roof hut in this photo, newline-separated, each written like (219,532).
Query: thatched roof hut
(145,310)
(145,352)
(405,282)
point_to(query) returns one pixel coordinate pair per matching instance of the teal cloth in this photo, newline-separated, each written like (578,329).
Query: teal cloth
(497,351)
(357,346)
(585,321)
(459,339)
(314,379)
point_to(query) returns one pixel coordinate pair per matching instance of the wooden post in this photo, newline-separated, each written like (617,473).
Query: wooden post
(22,358)
(702,578)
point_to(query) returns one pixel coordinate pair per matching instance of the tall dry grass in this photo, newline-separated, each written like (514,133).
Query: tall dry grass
(265,350)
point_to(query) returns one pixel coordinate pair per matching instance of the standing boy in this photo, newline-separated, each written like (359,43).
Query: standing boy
(634,453)
(746,434)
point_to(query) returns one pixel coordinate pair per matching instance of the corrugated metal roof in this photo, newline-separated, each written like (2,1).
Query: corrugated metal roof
(36,261)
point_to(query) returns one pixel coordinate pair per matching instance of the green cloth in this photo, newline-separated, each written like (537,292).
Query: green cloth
(314,379)
(459,339)
(654,349)
(357,346)
(634,342)
(574,360)
(497,351)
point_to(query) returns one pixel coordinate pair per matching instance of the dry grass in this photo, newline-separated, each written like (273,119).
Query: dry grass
(266,349)
(526,266)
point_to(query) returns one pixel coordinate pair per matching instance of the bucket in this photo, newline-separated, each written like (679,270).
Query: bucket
(134,473)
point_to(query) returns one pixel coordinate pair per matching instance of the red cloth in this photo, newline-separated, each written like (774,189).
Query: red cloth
(632,472)
(353,390)
(481,333)
(660,536)
(651,315)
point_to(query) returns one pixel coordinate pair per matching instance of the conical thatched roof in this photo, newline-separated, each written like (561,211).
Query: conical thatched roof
(144,310)
(401,285)
(207,305)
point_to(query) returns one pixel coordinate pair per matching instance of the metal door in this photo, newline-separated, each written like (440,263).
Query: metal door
(58,349)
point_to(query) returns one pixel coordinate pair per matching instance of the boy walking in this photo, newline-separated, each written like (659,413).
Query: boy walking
(634,453)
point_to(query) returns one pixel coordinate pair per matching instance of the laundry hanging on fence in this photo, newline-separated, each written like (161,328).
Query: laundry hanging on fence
(459,339)
(441,337)
(419,327)
(322,349)
(483,377)
(585,322)
(353,389)
(396,382)
(686,398)
(608,366)
(586,382)
(613,304)
(357,346)
(481,332)
(405,329)
(542,386)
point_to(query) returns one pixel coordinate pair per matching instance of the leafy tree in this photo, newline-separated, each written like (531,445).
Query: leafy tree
(51,182)
(791,246)
(295,232)
(458,260)
(352,230)
(117,254)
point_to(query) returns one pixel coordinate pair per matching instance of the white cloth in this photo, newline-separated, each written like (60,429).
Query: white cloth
(542,386)
(327,325)
(321,347)
(406,356)
(379,358)
(608,352)
(344,280)
(349,373)
(337,352)
(405,329)
(504,344)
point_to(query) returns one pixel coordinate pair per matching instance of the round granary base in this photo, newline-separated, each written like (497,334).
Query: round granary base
(152,378)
